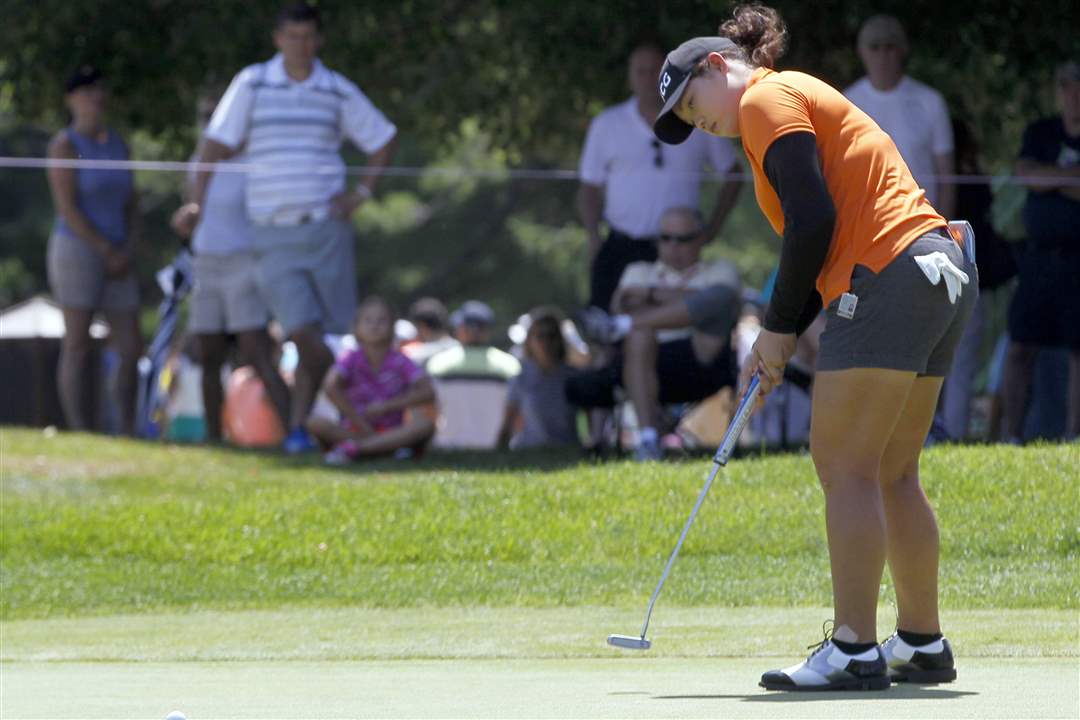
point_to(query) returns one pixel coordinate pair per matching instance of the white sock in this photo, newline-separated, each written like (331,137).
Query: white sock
(648,436)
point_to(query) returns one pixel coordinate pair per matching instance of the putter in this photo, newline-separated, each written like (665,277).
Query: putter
(723,453)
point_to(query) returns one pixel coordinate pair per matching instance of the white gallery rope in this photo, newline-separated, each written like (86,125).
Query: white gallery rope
(456,172)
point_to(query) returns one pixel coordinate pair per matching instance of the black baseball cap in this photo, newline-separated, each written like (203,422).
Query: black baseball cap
(674,78)
(82,76)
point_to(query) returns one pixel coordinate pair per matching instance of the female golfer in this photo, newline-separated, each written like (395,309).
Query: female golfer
(860,239)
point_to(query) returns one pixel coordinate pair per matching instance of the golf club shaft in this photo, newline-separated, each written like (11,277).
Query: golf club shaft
(738,422)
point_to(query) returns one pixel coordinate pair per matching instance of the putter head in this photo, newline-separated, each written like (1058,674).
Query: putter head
(629,642)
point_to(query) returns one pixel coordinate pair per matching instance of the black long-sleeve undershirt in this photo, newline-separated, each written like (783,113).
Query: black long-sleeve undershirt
(792,167)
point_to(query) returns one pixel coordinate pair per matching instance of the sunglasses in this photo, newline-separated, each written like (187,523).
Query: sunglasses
(688,238)
(658,159)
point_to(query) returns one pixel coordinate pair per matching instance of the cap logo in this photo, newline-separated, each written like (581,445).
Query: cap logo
(665,82)
(671,77)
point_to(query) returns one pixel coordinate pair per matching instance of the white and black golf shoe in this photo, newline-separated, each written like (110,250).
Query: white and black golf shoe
(830,668)
(925,664)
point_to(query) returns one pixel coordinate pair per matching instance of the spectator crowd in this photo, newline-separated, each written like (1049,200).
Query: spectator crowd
(280,348)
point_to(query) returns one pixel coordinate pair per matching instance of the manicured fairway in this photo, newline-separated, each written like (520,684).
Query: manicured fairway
(504,662)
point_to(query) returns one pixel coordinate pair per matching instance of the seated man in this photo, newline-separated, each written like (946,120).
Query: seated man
(471,381)
(675,318)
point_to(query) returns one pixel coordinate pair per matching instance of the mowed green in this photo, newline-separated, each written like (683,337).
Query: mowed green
(95,526)
(675,688)
(504,662)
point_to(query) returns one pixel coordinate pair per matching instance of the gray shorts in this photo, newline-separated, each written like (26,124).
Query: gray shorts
(901,321)
(307,274)
(226,298)
(77,278)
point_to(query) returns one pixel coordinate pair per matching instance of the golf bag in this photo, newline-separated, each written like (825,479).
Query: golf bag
(175,281)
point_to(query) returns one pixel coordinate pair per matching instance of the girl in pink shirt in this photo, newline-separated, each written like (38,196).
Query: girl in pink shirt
(371,387)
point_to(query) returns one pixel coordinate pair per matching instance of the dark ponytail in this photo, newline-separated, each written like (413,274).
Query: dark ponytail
(759,32)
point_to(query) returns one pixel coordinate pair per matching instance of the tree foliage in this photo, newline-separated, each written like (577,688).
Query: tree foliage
(518,81)
(532,73)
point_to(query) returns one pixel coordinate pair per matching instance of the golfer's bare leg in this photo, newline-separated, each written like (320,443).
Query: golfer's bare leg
(639,375)
(854,415)
(911,529)
(315,360)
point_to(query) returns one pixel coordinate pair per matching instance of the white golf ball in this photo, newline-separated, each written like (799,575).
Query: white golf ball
(175,715)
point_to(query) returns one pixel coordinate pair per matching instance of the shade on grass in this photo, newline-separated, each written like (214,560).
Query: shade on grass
(93,525)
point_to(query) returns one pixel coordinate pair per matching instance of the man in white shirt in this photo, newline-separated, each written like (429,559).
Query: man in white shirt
(913,114)
(675,316)
(628,178)
(290,114)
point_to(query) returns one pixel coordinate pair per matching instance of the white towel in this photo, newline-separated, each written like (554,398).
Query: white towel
(936,266)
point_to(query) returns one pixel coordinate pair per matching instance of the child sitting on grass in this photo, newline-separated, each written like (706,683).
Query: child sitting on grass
(537,413)
(372,387)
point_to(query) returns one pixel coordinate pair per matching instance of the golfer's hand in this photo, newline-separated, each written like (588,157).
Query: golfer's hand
(185,219)
(768,357)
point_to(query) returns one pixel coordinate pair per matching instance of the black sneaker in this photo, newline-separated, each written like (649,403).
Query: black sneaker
(830,668)
(925,664)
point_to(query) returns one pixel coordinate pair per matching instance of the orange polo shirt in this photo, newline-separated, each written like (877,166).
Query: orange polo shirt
(880,210)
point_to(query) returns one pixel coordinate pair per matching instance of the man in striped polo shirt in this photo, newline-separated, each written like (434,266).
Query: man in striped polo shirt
(291,114)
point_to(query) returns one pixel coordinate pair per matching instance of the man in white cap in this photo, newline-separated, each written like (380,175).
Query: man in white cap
(471,381)
(913,114)
(475,356)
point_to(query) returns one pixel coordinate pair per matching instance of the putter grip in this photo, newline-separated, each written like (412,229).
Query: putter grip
(742,416)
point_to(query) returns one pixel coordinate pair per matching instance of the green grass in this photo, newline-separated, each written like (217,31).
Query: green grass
(484,633)
(93,526)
